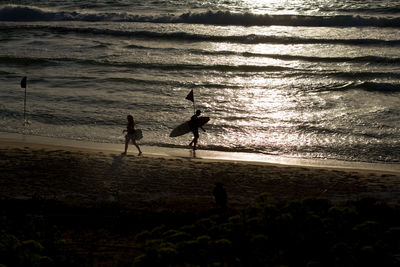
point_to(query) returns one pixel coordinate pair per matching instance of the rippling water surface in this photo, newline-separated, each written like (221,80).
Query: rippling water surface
(308,79)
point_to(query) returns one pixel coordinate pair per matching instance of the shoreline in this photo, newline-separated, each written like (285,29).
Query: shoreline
(91,176)
(256,158)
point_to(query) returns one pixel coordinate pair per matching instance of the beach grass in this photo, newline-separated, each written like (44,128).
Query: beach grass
(308,232)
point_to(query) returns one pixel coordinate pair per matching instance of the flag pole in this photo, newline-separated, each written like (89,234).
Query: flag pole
(25,106)
(24,85)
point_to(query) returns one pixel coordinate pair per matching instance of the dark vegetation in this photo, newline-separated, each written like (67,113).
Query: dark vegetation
(311,232)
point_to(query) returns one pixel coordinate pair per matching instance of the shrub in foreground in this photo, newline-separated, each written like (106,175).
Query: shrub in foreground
(311,232)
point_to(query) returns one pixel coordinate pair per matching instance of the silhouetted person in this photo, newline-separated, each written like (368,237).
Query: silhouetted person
(194,127)
(130,129)
(221,198)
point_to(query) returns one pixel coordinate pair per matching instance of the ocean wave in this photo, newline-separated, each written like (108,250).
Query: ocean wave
(185,36)
(367,9)
(200,67)
(164,83)
(21,60)
(132,65)
(365,86)
(237,69)
(248,19)
(285,71)
(362,59)
(356,75)
(379,87)
(178,67)
(31,13)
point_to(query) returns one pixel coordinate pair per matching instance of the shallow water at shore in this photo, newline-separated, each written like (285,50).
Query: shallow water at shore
(256,158)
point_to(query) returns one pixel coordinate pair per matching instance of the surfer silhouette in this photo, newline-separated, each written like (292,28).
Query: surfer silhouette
(194,127)
(130,130)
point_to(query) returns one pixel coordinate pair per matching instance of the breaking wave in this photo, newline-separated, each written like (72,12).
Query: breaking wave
(31,13)
(185,36)
(366,86)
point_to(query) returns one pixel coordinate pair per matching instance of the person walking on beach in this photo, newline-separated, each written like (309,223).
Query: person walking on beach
(130,130)
(194,127)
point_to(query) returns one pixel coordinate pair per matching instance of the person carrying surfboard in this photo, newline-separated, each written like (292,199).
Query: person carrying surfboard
(131,135)
(194,127)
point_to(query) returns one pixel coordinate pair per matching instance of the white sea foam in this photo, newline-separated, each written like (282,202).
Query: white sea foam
(31,13)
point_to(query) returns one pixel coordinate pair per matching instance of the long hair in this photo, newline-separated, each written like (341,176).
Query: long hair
(130,127)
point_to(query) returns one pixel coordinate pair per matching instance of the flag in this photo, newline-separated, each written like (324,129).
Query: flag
(23,82)
(190,96)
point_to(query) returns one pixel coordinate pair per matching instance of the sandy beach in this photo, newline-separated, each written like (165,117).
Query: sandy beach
(85,176)
(109,206)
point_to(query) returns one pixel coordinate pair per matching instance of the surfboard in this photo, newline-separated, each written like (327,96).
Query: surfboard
(137,135)
(184,127)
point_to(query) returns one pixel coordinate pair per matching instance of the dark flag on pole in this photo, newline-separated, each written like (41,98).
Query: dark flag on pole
(23,82)
(190,96)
